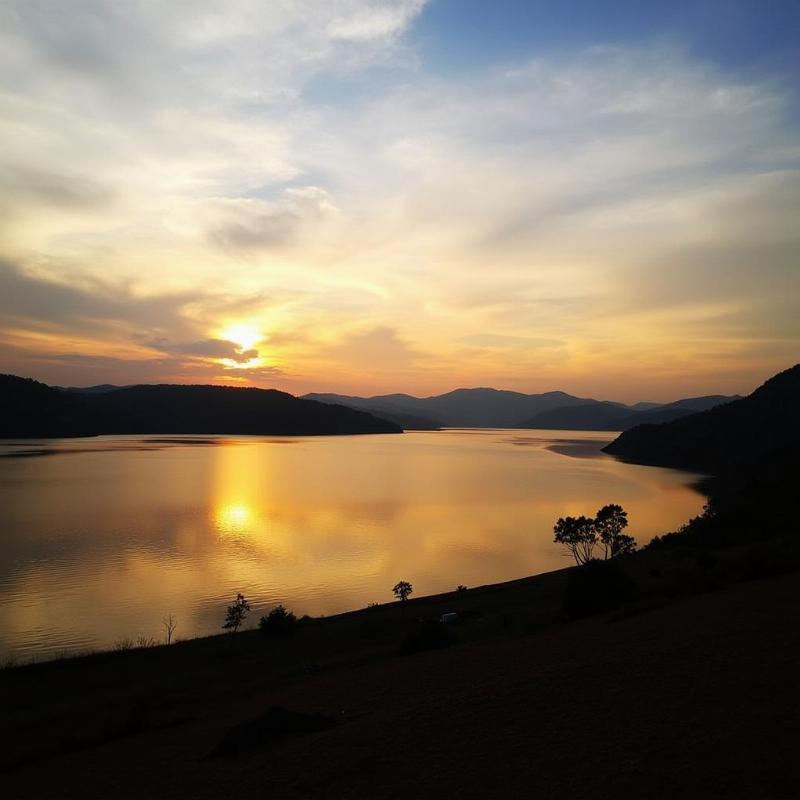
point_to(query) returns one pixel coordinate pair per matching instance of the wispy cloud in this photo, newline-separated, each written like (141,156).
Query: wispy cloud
(300,167)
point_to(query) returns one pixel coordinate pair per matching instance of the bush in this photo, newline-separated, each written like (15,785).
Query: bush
(279,622)
(595,587)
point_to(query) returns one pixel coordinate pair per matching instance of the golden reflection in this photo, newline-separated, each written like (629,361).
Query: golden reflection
(234,518)
(322,525)
(238,505)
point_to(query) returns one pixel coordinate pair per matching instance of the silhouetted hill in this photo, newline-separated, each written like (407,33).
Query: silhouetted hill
(29,408)
(385,407)
(604,416)
(591,416)
(101,388)
(471,408)
(756,432)
(32,409)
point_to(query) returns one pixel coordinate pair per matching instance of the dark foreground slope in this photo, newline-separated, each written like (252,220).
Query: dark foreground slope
(758,432)
(689,698)
(31,409)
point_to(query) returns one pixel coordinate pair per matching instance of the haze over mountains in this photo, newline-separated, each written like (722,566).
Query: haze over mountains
(494,408)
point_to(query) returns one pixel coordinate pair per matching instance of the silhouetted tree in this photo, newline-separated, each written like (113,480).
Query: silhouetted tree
(402,589)
(236,613)
(578,537)
(609,523)
(169,623)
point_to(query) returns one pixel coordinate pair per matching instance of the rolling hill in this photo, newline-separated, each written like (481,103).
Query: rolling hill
(32,409)
(469,408)
(605,416)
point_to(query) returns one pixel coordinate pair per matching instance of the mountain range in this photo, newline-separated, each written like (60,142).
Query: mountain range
(29,408)
(494,408)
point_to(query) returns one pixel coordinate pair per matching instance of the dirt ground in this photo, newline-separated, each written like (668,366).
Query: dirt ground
(695,699)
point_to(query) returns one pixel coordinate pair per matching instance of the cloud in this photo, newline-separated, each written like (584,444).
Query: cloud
(300,166)
(378,349)
(41,303)
(250,223)
(207,348)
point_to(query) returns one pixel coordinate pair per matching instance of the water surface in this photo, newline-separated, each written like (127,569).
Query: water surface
(103,537)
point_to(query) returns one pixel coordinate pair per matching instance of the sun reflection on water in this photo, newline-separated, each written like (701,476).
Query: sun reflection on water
(233,518)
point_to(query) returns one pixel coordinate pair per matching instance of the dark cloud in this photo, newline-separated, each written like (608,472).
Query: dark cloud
(206,348)
(46,304)
(77,369)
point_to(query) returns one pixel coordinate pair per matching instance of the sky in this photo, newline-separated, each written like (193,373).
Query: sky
(366,197)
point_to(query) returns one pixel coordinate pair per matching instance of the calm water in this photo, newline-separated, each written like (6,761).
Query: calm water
(101,538)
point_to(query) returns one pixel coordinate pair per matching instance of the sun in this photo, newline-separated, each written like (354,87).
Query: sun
(244,335)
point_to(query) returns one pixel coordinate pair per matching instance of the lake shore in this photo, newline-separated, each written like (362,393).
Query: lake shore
(514,695)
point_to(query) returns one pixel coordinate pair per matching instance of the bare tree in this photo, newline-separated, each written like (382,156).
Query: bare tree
(236,613)
(578,537)
(169,623)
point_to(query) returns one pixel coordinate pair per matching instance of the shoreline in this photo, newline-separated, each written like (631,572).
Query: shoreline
(514,665)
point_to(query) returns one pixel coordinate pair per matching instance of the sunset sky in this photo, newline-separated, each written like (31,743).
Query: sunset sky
(366,197)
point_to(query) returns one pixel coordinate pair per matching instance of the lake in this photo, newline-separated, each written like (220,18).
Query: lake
(103,537)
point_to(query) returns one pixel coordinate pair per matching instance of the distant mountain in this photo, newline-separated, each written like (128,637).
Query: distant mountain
(603,416)
(101,388)
(469,408)
(32,409)
(756,433)
(388,407)
(591,416)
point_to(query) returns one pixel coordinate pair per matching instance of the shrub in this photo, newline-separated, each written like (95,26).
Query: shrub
(279,622)
(595,587)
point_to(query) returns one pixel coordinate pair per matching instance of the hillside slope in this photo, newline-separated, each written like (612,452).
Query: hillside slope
(761,431)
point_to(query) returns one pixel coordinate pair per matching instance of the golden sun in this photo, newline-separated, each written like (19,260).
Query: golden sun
(244,335)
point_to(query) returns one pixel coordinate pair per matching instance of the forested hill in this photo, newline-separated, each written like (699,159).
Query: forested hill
(32,409)
(761,431)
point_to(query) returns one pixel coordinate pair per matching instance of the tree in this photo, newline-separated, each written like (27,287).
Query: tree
(578,537)
(169,623)
(236,613)
(279,621)
(609,523)
(402,589)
